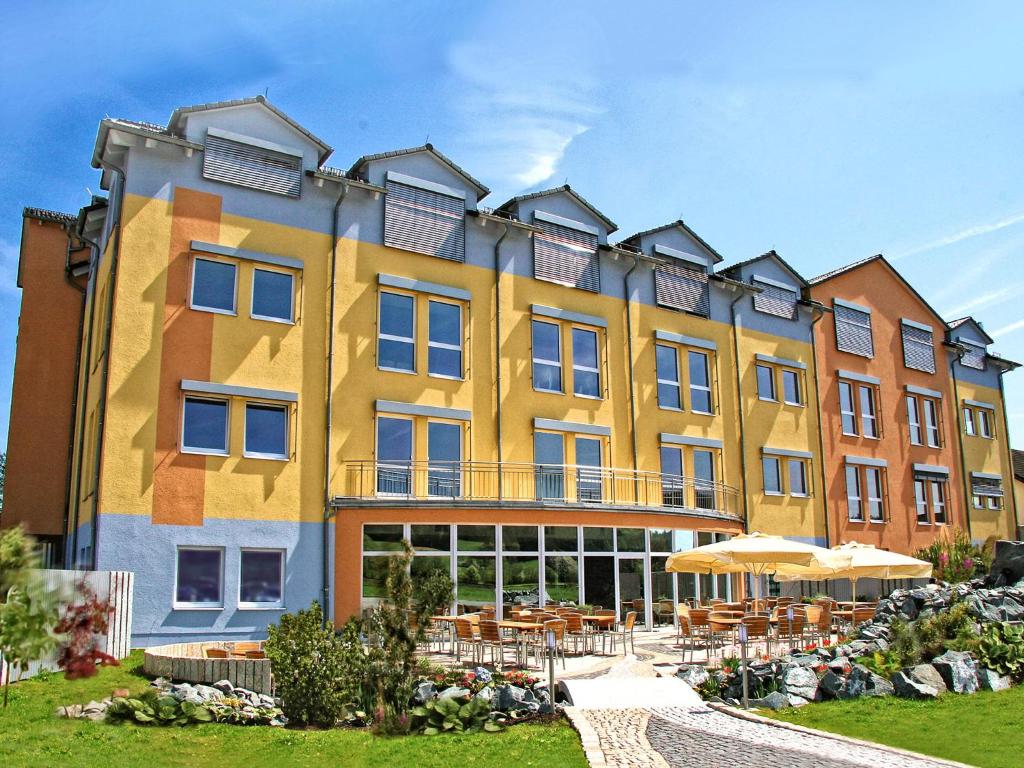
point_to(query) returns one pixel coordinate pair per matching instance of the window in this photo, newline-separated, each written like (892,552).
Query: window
(931,422)
(704,479)
(918,346)
(973,355)
(876,508)
(396,343)
(444,459)
(261,578)
(669,391)
(200,578)
(775,299)
(444,343)
(424,220)
(791,387)
(772,476)
(566,255)
(765,382)
(868,418)
(683,286)
(547,357)
(266,431)
(921,501)
(213,286)
(273,296)
(394,456)
(233,160)
(205,426)
(914,419)
(984,423)
(846,408)
(797,477)
(673,490)
(549,456)
(969,421)
(700,383)
(938,501)
(853,330)
(588,472)
(855,510)
(586,379)
(986,490)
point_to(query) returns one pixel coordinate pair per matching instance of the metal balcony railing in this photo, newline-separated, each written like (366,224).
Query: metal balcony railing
(505,482)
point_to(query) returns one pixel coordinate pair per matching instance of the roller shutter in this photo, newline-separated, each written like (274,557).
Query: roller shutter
(248,165)
(565,255)
(678,286)
(424,221)
(853,331)
(986,486)
(918,348)
(973,355)
(775,300)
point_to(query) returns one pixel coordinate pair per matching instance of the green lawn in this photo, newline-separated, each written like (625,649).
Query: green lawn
(33,736)
(982,729)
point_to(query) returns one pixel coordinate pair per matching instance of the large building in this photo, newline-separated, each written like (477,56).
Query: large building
(285,369)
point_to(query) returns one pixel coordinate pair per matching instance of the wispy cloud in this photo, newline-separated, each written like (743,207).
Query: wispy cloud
(1008,329)
(964,234)
(986,300)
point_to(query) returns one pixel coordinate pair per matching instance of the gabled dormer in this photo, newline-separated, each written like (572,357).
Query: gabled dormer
(569,232)
(779,286)
(972,340)
(426,201)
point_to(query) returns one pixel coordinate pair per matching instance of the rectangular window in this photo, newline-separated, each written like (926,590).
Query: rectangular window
(682,286)
(273,296)
(669,390)
(213,286)
(853,331)
(424,221)
(938,501)
(704,479)
(396,341)
(765,382)
(700,383)
(547,357)
(444,459)
(588,469)
(914,420)
(791,387)
(868,417)
(205,426)
(248,164)
(772,476)
(797,477)
(931,422)
(549,456)
(266,431)
(673,490)
(394,456)
(444,340)
(921,501)
(566,255)
(261,578)
(876,508)
(846,408)
(973,355)
(918,347)
(854,507)
(586,378)
(199,581)
(987,491)
(984,423)
(774,299)
(969,421)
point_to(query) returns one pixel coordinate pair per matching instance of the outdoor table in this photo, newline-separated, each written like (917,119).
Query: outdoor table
(451,630)
(600,621)
(521,629)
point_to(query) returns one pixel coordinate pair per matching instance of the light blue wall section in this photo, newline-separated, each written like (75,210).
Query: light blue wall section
(986,378)
(134,543)
(799,329)
(561,204)
(421,165)
(679,240)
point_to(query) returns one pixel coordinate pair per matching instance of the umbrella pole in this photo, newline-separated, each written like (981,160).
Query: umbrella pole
(853,613)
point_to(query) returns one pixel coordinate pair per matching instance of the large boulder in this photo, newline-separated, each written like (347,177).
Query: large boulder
(800,681)
(993,681)
(926,674)
(958,671)
(693,675)
(910,689)
(831,685)
(863,682)
(1007,563)
(773,700)
(424,692)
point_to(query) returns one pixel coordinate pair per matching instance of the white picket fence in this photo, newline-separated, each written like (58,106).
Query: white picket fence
(115,586)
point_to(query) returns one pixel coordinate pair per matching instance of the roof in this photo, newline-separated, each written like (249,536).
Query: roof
(1018,463)
(772,254)
(565,188)
(683,226)
(481,188)
(841,270)
(174,124)
(46,215)
(968,319)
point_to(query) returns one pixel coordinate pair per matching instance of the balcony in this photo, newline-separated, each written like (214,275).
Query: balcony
(473,483)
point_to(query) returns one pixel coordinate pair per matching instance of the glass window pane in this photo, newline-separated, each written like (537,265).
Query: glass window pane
(673,488)
(631,539)
(791,387)
(560,538)
(765,382)
(394,453)
(520,538)
(272,294)
(631,586)
(520,580)
(770,466)
(562,579)
(444,457)
(699,369)
(589,482)
(476,582)
(661,540)
(431,538)
(382,538)
(704,479)
(586,379)
(266,430)
(213,285)
(261,577)
(849,417)
(797,478)
(475,538)
(396,315)
(424,566)
(444,362)
(599,580)
(549,453)
(598,540)
(446,323)
(205,425)
(375,576)
(669,395)
(662,589)
(398,355)
(545,342)
(853,496)
(199,576)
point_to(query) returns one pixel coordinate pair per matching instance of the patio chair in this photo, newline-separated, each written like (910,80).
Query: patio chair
(812,616)
(638,606)
(492,639)
(699,622)
(215,653)
(437,632)
(577,632)
(624,633)
(787,629)
(720,631)
(255,655)
(664,612)
(465,636)
(682,616)
(759,630)
(686,635)
(540,649)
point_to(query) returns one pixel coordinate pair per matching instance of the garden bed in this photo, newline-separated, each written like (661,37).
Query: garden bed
(187,662)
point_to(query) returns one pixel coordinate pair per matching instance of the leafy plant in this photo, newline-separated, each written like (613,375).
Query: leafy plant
(434,593)
(903,643)
(710,688)
(883,663)
(955,558)
(154,708)
(1001,649)
(950,629)
(449,714)
(83,621)
(730,664)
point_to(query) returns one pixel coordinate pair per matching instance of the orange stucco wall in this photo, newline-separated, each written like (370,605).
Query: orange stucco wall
(44,383)
(876,286)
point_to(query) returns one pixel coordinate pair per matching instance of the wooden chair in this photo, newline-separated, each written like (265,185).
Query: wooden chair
(215,653)
(686,634)
(638,606)
(699,622)
(719,631)
(540,649)
(787,629)
(465,636)
(577,632)
(625,633)
(759,629)
(492,639)
(255,655)
(664,612)
(812,620)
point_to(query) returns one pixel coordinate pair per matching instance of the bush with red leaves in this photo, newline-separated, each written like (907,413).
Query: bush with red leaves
(82,621)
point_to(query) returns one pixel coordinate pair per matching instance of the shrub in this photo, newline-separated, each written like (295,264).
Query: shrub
(950,629)
(955,558)
(81,623)
(311,665)
(884,663)
(434,594)
(903,643)
(153,708)
(455,715)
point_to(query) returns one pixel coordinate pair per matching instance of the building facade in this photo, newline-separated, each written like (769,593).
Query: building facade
(286,369)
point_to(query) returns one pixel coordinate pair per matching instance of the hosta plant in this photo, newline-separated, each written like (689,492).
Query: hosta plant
(451,715)
(1001,649)
(153,708)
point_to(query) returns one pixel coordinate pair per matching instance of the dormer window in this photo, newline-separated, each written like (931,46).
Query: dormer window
(682,282)
(254,163)
(776,298)
(918,346)
(565,252)
(425,217)
(973,355)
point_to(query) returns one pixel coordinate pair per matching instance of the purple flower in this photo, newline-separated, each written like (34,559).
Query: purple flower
(943,558)
(968,562)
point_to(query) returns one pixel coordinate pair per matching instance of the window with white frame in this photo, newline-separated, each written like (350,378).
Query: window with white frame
(199,577)
(589,477)
(969,428)
(204,426)
(938,489)
(986,490)
(765,382)
(214,286)
(868,415)
(273,296)
(444,339)
(791,387)
(847,409)
(444,458)
(875,494)
(854,497)
(673,488)
(772,475)
(586,375)
(700,382)
(394,456)
(266,431)
(931,422)
(396,338)
(798,478)
(984,422)
(547,357)
(979,419)
(549,456)
(704,479)
(921,501)
(669,389)
(261,578)
(914,421)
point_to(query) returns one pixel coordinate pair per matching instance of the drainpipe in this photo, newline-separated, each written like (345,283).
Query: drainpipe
(74,392)
(739,403)
(960,443)
(632,382)
(326,538)
(820,310)
(497,355)
(1009,456)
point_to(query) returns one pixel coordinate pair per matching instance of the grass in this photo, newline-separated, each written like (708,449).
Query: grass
(34,736)
(982,729)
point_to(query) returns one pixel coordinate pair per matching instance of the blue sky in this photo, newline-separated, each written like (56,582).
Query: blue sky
(828,131)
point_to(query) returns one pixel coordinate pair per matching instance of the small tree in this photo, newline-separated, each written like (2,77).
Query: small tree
(82,622)
(433,594)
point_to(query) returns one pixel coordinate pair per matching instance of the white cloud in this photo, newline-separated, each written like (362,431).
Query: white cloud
(1007,329)
(986,300)
(964,234)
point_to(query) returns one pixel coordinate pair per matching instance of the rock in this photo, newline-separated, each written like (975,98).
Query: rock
(863,682)
(424,692)
(511,697)
(797,701)
(95,710)
(909,689)
(455,692)
(993,681)
(958,671)
(71,711)
(693,675)
(840,666)
(224,686)
(773,700)
(805,660)
(1007,563)
(485,694)
(800,681)
(831,684)
(926,674)
(209,693)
